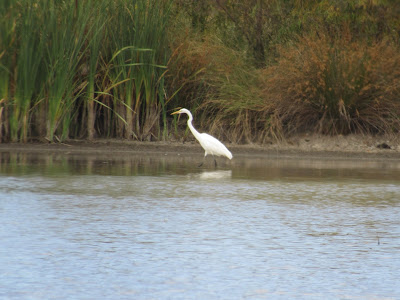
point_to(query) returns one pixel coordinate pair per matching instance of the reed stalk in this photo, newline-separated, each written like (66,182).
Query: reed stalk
(141,58)
(28,73)
(95,39)
(68,31)
(155,18)
(7,38)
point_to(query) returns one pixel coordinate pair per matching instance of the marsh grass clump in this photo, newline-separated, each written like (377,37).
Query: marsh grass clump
(82,69)
(43,50)
(137,67)
(221,86)
(237,103)
(67,40)
(334,87)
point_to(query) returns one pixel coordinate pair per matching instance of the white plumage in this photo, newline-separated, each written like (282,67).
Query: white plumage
(210,144)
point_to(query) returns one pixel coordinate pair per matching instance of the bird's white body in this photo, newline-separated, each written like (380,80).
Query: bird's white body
(213,147)
(209,143)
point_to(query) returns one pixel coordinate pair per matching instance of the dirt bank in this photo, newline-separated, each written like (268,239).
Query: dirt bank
(354,146)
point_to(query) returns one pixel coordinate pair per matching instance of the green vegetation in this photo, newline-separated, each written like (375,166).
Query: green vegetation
(251,71)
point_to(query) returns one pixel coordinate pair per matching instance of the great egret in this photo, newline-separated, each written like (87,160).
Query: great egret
(209,143)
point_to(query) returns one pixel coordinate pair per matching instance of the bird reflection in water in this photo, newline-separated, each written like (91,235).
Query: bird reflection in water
(215,175)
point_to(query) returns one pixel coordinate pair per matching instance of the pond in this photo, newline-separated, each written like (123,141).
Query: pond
(156,226)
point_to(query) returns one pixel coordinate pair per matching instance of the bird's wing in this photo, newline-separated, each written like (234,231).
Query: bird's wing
(213,146)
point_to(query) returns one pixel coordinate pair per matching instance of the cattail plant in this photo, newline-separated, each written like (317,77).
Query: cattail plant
(138,65)
(7,44)
(28,74)
(68,32)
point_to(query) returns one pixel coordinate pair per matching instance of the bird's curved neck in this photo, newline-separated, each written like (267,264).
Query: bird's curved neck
(192,129)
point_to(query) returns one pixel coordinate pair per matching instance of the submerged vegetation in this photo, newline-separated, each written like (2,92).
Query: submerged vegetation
(252,71)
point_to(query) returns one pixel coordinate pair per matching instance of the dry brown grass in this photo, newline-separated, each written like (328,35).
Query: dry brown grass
(187,69)
(334,87)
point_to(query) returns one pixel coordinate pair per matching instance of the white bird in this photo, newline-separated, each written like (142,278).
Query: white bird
(209,143)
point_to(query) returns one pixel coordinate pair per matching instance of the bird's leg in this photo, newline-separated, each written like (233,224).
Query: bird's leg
(215,162)
(202,163)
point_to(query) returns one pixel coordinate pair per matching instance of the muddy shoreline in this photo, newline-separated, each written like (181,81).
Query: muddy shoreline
(339,147)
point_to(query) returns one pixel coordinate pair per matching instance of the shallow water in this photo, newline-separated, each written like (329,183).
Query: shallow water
(158,227)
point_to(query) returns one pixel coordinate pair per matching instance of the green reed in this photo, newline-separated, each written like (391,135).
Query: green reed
(152,72)
(62,61)
(138,65)
(28,73)
(68,30)
(39,66)
(92,61)
(7,34)
(53,67)
(120,68)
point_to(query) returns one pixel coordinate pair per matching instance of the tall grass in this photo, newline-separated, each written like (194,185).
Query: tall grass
(68,29)
(235,97)
(28,73)
(226,95)
(63,61)
(7,39)
(137,67)
(97,24)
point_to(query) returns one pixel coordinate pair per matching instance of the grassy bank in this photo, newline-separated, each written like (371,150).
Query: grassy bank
(251,72)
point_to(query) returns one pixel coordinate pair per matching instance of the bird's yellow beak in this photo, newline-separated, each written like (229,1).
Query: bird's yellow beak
(174,113)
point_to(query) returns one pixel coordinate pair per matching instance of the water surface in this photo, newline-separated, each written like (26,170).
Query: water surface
(158,227)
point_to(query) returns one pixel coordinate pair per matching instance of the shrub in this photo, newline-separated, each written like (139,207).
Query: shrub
(334,87)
